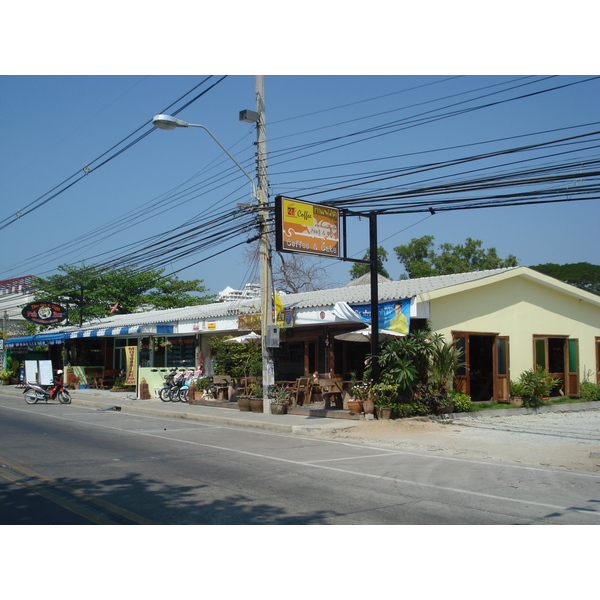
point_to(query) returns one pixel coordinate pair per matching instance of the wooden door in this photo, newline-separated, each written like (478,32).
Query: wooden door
(461,378)
(501,369)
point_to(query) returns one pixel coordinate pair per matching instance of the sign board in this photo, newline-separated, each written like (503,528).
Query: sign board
(38,371)
(394,316)
(306,228)
(44,313)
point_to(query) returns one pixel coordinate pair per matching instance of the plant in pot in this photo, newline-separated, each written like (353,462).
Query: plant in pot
(202,387)
(119,385)
(384,395)
(253,400)
(279,397)
(5,376)
(361,393)
(517,391)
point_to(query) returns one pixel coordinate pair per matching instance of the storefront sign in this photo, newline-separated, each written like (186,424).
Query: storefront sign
(306,228)
(44,313)
(394,316)
(131,358)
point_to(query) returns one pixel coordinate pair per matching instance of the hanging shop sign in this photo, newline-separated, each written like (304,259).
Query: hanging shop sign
(44,313)
(307,228)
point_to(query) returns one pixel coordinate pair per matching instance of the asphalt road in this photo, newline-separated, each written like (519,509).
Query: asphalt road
(64,464)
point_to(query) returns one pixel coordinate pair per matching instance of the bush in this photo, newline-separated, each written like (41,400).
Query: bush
(589,392)
(409,409)
(462,402)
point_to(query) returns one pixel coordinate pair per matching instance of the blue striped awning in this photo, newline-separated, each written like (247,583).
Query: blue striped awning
(37,340)
(59,338)
(112,331)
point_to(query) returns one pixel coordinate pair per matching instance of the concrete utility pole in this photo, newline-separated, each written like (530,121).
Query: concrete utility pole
(266,280)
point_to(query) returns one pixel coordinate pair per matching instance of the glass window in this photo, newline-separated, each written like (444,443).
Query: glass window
(502,347)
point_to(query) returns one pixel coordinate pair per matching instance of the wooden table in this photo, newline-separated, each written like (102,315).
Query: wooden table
(335,387)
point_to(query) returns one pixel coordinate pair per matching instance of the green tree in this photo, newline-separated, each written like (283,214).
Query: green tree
(360,269)
(420,259)
(89,291)
(582,275)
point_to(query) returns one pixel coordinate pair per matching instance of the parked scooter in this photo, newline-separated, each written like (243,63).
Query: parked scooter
(34,392)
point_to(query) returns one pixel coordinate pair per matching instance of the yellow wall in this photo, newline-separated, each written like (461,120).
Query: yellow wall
(541,311)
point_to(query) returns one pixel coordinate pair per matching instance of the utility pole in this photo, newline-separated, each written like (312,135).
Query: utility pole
(266,280)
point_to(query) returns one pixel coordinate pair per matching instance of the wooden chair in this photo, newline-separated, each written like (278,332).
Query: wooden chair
(303,391)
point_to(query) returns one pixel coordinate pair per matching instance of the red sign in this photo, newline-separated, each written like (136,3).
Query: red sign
(44,313)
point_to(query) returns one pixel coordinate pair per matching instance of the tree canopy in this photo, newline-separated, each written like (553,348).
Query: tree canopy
(420,259)
(582,275)
(90,292)
(360,269)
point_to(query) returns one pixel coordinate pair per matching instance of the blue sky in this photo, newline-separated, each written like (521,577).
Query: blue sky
(60,124)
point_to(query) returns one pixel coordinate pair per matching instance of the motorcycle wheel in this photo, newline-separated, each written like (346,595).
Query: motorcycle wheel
(174,394)
(64,397)
(31,397)
(184,394)
(164,394)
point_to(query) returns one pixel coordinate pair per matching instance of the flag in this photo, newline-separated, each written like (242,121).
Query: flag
(278,304)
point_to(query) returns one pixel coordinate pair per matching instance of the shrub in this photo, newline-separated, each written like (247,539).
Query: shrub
(462,402)
(409,409)
(589,392)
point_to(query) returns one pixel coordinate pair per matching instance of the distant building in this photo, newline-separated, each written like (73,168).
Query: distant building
(251,290)
(14,295)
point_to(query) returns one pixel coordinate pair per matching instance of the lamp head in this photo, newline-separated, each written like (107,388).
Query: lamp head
(168,122)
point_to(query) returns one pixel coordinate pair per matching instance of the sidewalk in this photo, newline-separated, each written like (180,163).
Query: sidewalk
(299,424)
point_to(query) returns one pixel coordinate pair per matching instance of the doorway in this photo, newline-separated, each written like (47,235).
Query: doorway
(483,374)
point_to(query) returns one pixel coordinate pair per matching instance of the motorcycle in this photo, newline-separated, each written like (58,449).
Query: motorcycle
(34,392)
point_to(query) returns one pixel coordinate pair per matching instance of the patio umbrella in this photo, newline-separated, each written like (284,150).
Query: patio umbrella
(249,338)
(364,335)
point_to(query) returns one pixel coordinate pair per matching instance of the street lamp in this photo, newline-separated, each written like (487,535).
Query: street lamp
(169,123)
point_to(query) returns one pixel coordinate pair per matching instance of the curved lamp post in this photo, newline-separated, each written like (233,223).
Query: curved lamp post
(168,123)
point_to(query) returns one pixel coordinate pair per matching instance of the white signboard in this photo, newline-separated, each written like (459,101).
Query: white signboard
(45,372)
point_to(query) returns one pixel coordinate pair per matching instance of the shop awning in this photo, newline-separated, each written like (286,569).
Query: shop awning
(37,340)
(59,338)
(112,331)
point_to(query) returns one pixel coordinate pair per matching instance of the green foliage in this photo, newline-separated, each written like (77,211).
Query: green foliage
(582,275)
(236,360)
(589,392)
(255,390)
(385,394)
(360,269)
(537,384)
(462,402)
(90,291)
(13,365)
(404,410)
(5,374)
(421,260)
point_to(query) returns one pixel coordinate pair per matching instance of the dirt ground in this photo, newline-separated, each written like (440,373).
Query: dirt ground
(559,440)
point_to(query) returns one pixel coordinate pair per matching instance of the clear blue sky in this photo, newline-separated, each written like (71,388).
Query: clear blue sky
(54,125)
(60,124)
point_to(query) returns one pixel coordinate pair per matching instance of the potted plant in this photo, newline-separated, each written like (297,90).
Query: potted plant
(517,390)
(202,387)
(384,395)
(5,376)
(252,401)
(279,398)
(119,385)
